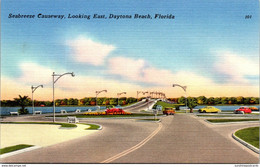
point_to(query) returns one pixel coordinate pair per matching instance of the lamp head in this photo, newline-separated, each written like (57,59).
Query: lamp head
(72,74)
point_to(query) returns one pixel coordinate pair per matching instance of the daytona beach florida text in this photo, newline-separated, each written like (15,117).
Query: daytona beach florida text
(93,16)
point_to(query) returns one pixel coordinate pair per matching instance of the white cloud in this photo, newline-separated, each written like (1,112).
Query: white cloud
(236,66)
(139,70)
(127,67)
(34,73)
(88,51)
(66,87)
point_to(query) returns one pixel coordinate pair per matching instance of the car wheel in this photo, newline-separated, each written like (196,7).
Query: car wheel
(204,111)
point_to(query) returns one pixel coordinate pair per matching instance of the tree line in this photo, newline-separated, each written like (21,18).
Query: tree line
(87,101)
(202,100)
(91,101)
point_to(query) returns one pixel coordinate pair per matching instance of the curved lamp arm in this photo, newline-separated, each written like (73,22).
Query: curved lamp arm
(145,92)
(35,87)
(71,73)
(183,87)
(121,93)
(97,92)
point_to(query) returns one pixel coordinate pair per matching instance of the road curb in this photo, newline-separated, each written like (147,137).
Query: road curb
(230,122)
(231,116)
(251,147)
(147,121)
(19,151)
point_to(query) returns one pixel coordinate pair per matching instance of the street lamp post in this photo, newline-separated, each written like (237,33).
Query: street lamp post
(137,94)
(151,93)
(53,82)
(184,88)
(147,99)
(118,94)
(156,93)
(33,89)
(97,92)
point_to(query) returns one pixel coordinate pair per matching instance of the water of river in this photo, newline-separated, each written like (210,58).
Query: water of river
(7,110)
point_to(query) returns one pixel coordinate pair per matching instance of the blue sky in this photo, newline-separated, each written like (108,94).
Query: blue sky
(199,45)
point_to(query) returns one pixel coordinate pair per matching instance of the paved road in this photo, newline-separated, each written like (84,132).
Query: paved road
(117,135)
(138,108)
(182,139)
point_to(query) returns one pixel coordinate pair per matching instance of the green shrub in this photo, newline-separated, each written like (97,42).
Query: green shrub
(23,111)
(110,106)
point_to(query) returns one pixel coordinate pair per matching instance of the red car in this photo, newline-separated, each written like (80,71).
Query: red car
(243,110)
(115,111)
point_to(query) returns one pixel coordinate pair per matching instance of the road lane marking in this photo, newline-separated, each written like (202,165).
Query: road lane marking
(143,142)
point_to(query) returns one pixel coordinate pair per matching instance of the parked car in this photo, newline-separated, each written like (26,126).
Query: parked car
(209,109)
(254,108)
(243,110)
(169,111)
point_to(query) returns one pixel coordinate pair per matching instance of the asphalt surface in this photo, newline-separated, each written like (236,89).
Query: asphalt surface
(183,138)
(116,136)
(138,108)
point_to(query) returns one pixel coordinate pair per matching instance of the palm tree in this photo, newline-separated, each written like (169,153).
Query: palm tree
(23,102)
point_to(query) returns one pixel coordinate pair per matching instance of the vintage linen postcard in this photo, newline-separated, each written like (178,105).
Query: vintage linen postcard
(129,82)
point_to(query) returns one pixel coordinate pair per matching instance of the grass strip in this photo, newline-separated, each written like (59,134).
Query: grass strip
(63,125)
(14,148)
(164,104)
(249,135)
(92,126)
(230,120)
